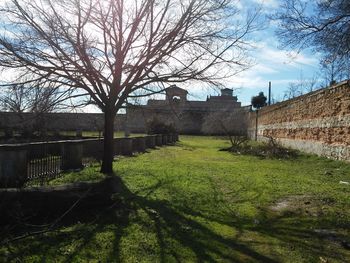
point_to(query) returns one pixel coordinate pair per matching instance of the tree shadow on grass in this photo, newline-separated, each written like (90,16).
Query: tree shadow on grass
(170,225)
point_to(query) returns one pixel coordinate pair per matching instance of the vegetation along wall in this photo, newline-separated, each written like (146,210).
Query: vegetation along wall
(318,122)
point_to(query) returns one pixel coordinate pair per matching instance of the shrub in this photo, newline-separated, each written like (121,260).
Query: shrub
(156,126)
(270,149)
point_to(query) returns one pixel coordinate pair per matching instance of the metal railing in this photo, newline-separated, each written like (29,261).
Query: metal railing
(44,161)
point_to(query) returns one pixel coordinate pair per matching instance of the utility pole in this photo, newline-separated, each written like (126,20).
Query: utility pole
(269,93)
(256,124)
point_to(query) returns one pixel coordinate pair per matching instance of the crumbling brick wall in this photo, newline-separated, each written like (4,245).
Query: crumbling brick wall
(318,122)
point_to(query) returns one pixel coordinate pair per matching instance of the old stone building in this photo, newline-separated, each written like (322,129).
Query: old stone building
(187,116)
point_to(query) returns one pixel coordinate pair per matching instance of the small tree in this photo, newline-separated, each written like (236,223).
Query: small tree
(258,102)
(334,69)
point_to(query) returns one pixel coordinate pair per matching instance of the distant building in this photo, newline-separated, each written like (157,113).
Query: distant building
(187,116)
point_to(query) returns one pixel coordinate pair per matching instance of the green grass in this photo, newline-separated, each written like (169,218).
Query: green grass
(193,203)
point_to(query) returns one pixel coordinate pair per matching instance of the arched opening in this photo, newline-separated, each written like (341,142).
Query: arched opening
(176,99)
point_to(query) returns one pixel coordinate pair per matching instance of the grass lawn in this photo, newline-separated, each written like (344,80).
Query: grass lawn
(194,203)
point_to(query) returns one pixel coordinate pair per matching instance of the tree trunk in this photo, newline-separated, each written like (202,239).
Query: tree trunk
(108,149)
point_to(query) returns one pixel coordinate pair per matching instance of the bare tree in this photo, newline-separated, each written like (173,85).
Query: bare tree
(300,87)
(323,26)
(113,48)
(37,98)
(334,70)
(293,90)
(21,98)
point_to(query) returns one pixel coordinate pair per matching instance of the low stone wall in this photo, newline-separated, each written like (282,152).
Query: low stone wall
(318,122)
(43,205)
(52,157)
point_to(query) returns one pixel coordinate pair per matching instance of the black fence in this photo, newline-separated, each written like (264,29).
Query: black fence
(44,161)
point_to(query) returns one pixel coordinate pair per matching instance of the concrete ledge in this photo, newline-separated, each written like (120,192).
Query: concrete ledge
(72,155)
(117,146)
(14,158)
(93,148)
(151,141)
(13,168)
(170,139)
(139,144)
(164,139)
(126,145)
(159,140)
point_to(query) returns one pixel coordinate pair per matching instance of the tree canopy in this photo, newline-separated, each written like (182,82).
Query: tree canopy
(111,49)
(323,26)
(259,101)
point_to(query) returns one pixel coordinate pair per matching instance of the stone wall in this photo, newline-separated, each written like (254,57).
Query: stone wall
(318,122)
(42,161)
(189,121)
(57,121)
(186,122)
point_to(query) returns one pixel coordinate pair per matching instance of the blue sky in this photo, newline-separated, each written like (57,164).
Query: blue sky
(270,63)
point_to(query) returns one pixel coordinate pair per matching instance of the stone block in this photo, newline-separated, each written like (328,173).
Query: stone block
(170,139)
(93,148)
(118,146)
(79,134)
(126,146)
(139,144)
(164,139)
(72,155)
(150,141)
(13,166)
(159,140)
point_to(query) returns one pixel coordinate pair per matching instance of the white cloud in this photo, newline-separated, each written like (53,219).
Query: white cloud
(267,3)
(276,57)
(264,69)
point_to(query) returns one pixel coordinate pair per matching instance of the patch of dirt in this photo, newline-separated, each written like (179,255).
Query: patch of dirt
(301,205)
(305,205)
(333,236)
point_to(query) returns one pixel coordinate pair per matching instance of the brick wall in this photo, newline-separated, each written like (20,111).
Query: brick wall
(318,122)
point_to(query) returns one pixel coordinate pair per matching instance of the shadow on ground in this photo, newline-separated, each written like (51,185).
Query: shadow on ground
(180,234)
